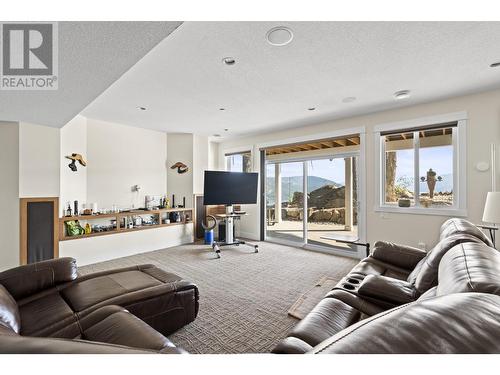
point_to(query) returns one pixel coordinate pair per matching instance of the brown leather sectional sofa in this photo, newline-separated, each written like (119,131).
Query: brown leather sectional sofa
(46,307)
(403,300)
(398,300)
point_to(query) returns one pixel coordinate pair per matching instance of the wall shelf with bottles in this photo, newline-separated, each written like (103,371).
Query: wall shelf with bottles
(121,222)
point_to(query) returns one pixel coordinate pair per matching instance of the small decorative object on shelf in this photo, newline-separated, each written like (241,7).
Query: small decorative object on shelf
(75,205)
(121,221)
(73,228)
(68,210)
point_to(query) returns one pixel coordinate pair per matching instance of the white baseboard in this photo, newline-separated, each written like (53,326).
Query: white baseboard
(249,235)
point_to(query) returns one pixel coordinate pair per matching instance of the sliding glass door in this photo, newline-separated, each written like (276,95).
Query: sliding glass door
(332,200)
(285,201)
(326,213)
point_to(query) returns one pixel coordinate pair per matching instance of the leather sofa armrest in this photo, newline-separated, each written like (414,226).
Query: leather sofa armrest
(387,289)
(292,345)
(15,344)
(402,256)
(29,279)
(115,325)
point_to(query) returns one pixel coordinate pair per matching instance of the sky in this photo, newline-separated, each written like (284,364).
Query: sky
(330,170)
(440,159)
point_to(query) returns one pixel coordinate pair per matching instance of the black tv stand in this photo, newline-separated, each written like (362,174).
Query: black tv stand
(230,239)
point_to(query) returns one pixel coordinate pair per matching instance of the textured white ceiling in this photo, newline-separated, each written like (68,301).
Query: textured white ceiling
(92,55)
(183,81)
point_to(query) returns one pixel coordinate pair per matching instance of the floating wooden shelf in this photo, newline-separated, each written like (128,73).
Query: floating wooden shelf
(117,216)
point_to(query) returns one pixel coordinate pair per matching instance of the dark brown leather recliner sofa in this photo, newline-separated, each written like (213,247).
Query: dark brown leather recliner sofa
(399,291)
(46,307)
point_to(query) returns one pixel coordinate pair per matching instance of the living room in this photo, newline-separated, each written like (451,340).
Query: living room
(259,187)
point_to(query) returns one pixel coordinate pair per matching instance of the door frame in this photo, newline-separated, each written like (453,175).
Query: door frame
(361,153)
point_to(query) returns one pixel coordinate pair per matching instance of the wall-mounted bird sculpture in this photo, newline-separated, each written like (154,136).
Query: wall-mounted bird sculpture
(74,158)
(181,167)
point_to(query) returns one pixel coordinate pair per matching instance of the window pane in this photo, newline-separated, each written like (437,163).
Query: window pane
(399,169)
(436,168)
(285,201)
(239,162)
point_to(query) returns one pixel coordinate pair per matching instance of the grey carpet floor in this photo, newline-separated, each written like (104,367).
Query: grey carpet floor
(244,297)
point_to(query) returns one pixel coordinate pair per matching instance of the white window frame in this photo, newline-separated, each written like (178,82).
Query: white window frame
(362,207)
(459,207)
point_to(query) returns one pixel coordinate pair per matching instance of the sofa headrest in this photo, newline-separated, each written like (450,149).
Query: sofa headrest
(456,225)
(425,274)
(452,324)
(469,267)
(9,313)
(29,279)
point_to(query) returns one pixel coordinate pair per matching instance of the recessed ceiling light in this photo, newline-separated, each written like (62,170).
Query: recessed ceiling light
(279,36)
(403,94)
(229,60)
(349,99)
(142,108)
(222,109)
(311,109)
(226,129)
(217,135)
(495,64)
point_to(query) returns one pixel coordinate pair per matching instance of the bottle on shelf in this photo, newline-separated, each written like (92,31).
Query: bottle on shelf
(68,210)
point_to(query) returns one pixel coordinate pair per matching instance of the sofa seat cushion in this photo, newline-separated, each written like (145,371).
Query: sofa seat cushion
(9,312)
(47,315)
(372,266)
(84,294)
(328,317)
(163,300)
(114,325)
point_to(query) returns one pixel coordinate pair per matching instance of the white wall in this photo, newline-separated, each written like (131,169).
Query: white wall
(39,152)
(213,156)
(483,128)
(98,249)
(120,157)
(180,148)
(73,185)
(201,157)
(9,197)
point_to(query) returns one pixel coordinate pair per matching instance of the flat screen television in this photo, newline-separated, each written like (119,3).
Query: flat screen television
(230,188)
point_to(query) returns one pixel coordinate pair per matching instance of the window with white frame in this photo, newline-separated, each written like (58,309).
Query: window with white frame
(420,168)
(239,161)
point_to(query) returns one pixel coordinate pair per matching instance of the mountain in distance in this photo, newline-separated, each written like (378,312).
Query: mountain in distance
(289,185)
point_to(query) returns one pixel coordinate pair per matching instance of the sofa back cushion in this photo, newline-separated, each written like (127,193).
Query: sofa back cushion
(464,323)
(29,279)
(469,267)
(9,312)
(456,226)
(425,274)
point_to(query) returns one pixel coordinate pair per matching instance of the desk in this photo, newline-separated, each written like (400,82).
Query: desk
(348,240)
(229,218)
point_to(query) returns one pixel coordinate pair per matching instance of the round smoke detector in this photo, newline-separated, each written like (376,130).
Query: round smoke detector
(279,36)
